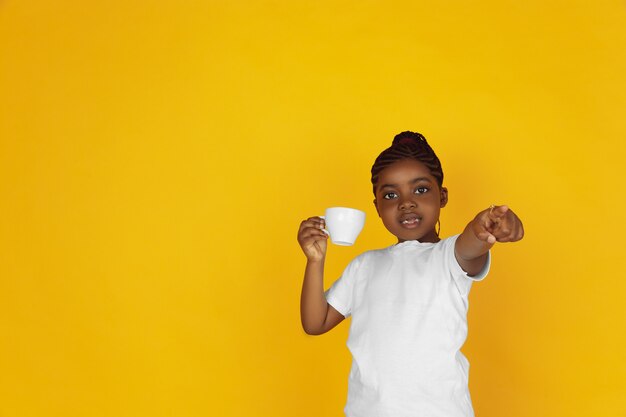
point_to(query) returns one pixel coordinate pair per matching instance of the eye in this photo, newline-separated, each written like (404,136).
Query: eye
(389,196)
(421,190)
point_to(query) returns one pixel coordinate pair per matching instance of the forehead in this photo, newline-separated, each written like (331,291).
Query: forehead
(404,171)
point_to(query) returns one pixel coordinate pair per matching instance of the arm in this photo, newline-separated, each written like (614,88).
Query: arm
(316,314)
(497,224)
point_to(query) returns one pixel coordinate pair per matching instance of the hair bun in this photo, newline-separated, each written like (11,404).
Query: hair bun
(408,138)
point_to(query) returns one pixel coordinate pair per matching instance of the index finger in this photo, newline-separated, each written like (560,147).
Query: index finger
(497,212)
(316,222)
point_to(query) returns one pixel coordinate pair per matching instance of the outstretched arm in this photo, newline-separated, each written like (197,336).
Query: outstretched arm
(496,224)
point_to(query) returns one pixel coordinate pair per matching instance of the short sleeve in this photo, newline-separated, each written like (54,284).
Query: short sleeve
(462,280)
(341,294)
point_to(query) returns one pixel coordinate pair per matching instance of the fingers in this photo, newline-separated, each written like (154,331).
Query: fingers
(503,224)
(312,238)
(488,220)
(511,230)
(485,236)
(312,228)
(498,212)
(314,223)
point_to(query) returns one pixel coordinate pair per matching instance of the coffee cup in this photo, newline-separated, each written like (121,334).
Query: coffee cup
(343,224)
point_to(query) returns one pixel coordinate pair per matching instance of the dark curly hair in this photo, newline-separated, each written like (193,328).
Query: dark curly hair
(408,145)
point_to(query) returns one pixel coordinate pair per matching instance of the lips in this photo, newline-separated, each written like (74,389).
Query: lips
(410,220)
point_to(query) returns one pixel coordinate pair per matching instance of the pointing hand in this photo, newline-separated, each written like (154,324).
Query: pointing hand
(498,224)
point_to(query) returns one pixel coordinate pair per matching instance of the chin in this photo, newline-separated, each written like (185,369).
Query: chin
(404,237)
(403,234)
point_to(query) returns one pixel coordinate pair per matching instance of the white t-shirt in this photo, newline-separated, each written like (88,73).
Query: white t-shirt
(408,304)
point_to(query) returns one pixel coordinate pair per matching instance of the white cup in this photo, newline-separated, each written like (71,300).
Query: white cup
(343,224)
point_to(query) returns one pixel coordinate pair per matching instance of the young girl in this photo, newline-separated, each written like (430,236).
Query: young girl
(409,301)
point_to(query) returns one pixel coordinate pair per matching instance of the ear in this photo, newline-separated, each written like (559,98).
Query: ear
(376,205)
(444,197)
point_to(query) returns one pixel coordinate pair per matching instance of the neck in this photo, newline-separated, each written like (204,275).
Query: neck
(431,237)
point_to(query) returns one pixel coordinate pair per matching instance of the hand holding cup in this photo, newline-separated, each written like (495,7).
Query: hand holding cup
(341,224)
(312,238)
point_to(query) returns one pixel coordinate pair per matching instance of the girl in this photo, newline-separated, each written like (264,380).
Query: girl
(409,301)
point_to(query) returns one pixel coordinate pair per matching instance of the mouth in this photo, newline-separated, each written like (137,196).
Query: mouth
(410,220)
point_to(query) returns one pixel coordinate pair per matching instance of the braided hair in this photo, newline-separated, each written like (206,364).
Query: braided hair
(408,145)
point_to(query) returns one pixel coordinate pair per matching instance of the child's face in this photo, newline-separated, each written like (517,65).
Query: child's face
(408,200)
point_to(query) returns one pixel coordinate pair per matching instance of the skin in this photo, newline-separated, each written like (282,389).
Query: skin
(408,201)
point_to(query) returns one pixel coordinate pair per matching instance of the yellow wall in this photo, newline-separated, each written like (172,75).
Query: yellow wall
(156,159)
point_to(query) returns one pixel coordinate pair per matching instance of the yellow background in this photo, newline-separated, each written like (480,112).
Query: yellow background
(157,157)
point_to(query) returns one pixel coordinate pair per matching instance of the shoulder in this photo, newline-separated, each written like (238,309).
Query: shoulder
(368,258)
(448,253)
(449,240)
(372,255)
(440,252)
(447,243)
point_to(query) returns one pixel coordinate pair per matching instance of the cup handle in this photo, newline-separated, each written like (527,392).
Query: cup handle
(324,230)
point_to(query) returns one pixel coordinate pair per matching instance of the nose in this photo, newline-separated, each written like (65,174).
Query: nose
(407,204)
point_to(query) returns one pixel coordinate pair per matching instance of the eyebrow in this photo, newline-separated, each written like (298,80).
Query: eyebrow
(413,181)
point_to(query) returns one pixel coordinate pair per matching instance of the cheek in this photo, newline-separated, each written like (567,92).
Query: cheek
(388,215)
